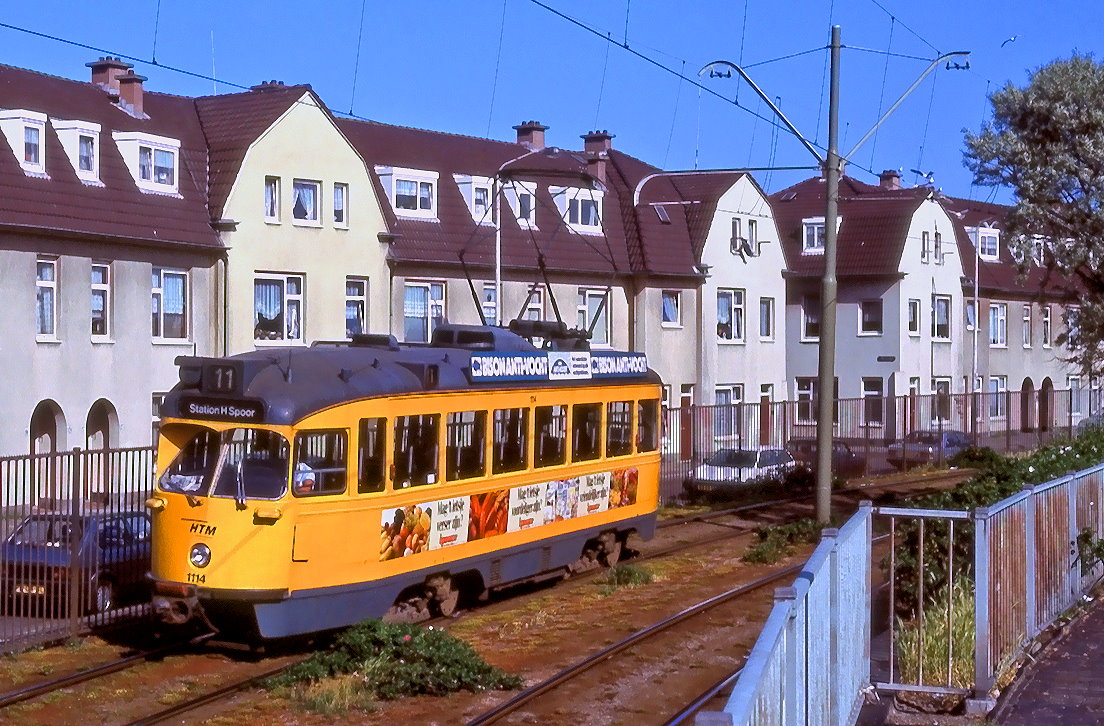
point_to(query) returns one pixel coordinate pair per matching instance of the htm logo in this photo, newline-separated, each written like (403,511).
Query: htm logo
(201,528)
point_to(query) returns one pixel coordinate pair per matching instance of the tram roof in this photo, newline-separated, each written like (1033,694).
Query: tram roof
(283,385)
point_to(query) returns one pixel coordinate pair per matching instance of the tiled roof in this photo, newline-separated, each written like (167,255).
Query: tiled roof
(872,233)
(455,232)
(232,122)
(63,204)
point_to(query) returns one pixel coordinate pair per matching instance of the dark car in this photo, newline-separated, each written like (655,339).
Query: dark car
(926,447)
(112,559)
(846,462)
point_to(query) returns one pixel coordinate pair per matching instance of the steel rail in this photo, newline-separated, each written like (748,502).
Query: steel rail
(582,666)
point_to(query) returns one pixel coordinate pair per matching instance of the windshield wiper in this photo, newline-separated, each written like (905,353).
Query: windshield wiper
(239,493)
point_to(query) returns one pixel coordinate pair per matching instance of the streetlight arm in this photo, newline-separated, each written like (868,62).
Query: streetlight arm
(899,101)
(766,100)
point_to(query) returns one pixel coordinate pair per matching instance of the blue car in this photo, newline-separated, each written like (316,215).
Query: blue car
(112,560)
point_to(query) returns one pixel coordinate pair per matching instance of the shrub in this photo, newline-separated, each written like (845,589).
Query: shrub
(389,661)
(777,541)
(620,576)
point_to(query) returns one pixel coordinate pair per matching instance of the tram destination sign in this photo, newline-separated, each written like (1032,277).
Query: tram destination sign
(210,408)
(556,366)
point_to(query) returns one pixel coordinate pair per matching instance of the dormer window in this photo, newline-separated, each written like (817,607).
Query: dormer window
(25,132)
(413,192)
(152,160)
(80,142)
(478,193)
(579,207)
(522,197)
(987,242)
(812,235)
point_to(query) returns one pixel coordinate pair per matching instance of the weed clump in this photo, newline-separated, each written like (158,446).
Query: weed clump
(374,660)
(778,541)
(620,576)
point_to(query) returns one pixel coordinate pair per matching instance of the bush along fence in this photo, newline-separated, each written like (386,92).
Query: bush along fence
(971,577)
(74,543)
(877,434)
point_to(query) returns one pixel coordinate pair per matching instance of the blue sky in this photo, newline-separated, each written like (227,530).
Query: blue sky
(478,68)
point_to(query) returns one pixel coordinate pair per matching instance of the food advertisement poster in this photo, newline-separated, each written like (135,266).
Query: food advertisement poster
(446,522)
(450,522)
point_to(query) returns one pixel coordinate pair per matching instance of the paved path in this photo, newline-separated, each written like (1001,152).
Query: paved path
(1066,686)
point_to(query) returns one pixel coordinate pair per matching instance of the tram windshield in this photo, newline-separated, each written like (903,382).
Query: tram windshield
(239,463)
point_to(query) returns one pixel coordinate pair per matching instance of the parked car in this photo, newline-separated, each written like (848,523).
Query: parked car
(926,447)
(1090,422)
(845,461)
(112,560)
(732,468)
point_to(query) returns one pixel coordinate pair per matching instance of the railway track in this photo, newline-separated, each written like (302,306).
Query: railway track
(909,487)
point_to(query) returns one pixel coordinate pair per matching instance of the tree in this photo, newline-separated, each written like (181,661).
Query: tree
(1046,142)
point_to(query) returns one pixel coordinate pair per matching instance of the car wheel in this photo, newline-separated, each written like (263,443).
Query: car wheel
(104,595)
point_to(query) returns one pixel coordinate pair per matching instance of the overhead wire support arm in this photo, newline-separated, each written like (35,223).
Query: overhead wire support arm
(903,96)
(766,99)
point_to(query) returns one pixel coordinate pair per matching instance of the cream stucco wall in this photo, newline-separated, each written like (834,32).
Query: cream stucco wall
(304,144)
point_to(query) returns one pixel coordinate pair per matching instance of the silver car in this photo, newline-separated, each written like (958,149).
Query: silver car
(728,468)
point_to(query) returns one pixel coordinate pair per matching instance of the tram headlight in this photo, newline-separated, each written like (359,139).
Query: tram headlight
(200,556)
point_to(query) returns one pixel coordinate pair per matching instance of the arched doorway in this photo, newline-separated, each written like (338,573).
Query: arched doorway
(101,428)
(1046,404)
(1027,405)
(47,428)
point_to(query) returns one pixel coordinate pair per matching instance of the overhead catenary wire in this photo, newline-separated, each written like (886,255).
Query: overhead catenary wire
(927,122)
(356,63)
(919,37)
(881,93)
(498,63)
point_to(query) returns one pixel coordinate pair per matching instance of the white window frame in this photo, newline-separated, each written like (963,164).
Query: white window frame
(390,176)
(969,312)
(1073,383)
(103,288)
(863,332)
(133,145)
(1071,318)
(941,404)
(936,301)
(488,300)
(925,246)
(70,134)
(813,232)
(873,388)
(998,325)
(1026,329)
(340,194)
(603,334)
(570,201)
(534,309)
(156,400)
(436,306)
(51,289)
(469,186)
(912,321)
(272,199)
(937,250)
(288,302)
(766,315)
(314,216)
(14,124)
(810,312)
(157,292)
(987,242)
(726,419)
(356,298)
(664,296)
(737,315)
(514,191)
(998,405)
(1047,330)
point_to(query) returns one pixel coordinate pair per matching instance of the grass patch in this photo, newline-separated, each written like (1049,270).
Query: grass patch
(777,541)
(925,642)
(384,661)
(621,576)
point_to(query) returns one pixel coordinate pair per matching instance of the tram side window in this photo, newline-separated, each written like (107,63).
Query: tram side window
(647,425)
(511,440)
(618,428)
(416,449)
(550,426)
(319,463)
(465,445)
(373,435)
(586,431)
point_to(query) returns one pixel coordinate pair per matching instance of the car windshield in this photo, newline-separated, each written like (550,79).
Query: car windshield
(922,437)
(43,531)
(736,458)
(241,463)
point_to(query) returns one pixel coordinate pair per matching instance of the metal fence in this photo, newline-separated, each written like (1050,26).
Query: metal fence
(74,542)
(874,430)
(811,662)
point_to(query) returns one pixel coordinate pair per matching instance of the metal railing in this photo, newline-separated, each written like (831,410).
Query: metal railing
(811,662)
(74,542)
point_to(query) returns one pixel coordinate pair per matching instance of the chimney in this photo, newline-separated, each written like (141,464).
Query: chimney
(130,92)
(596,146)
(530,134)
(106,72)
(267,86)
(890,179)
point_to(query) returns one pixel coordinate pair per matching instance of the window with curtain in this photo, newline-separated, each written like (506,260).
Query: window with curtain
(278,307)
(356,306)
(46,298)
(730,314)
(101,299)
(304,204)
(592,311)
(406,194)
(671,315)
(340,201)
(423,310)
(145,163)
(86,153)
(169,303)
(272,198)
(164,167)
(31,137)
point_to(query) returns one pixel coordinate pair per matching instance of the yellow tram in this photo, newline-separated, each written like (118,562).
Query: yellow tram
(305,489)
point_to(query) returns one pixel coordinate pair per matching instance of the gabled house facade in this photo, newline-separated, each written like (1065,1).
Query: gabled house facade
(108,265)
